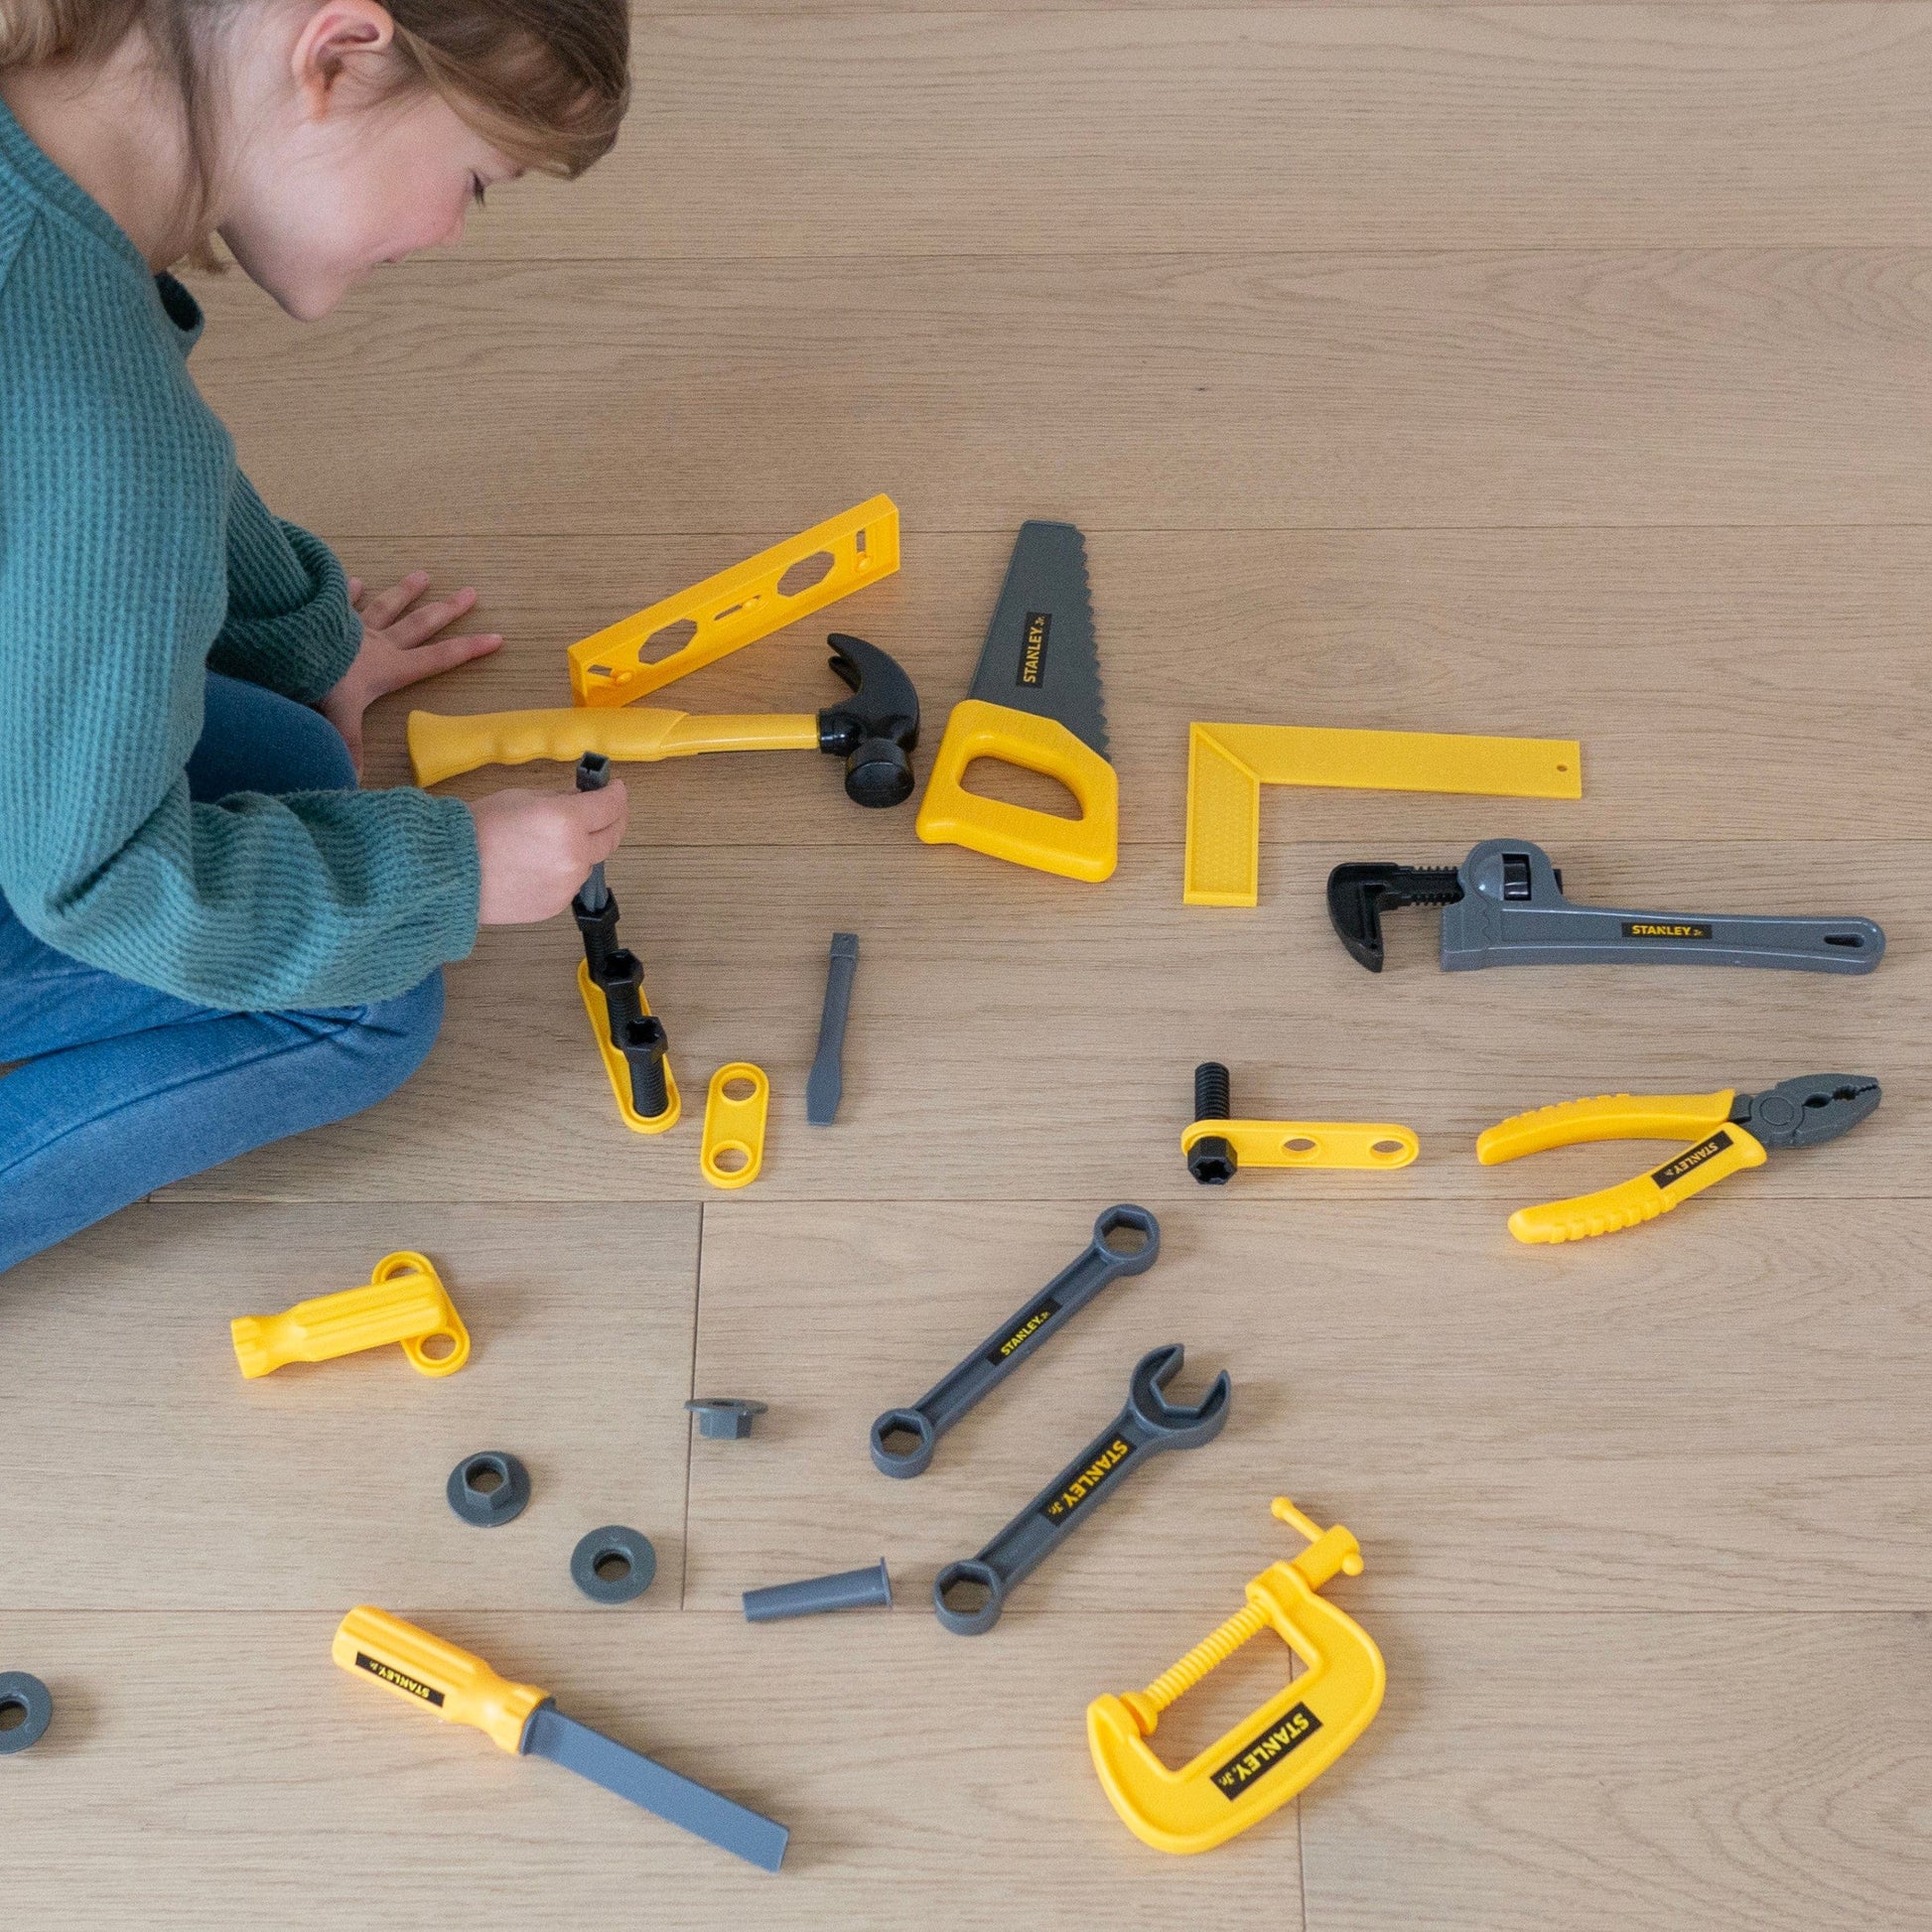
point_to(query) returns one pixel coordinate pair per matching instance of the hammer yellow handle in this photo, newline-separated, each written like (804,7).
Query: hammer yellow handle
(459,1688)
(440,747)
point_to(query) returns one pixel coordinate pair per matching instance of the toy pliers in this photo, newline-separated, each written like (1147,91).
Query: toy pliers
(1731,1131)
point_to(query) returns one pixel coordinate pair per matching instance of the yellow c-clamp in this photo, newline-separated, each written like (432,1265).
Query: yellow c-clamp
(1281,1749)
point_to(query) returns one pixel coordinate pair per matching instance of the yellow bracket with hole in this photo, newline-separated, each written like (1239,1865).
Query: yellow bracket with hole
(737,606)
(1309,1143)
(404,1300)
(735,1126)
(1262,1762)
(1228,765)
(617,1066)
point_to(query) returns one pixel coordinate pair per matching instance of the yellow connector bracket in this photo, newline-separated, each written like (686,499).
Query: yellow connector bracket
(1227,764)
(404,1300)
(618,1067)
(1309,1143)
(1261,1763)
(735,1126)
(737,606)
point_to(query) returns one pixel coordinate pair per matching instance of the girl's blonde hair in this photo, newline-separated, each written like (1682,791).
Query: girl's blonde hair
(547,81)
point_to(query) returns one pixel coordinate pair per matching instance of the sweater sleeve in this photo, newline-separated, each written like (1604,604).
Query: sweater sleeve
(289,625)
(115,488)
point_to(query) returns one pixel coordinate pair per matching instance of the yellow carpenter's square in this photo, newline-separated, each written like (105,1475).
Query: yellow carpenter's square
(522,1720)
(1284,1747)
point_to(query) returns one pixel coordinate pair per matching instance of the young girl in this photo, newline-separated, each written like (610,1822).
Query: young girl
(208,937)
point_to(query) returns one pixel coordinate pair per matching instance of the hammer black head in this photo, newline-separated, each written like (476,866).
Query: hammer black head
(1358,896)
(876,728)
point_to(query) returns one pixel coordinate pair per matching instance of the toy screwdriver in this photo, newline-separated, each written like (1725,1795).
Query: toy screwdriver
(1735,1131)
(522,1720)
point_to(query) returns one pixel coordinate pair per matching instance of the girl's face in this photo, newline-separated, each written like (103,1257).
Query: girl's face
(328,178)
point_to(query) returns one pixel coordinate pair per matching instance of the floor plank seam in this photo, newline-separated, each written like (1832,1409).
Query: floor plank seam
(691,1391)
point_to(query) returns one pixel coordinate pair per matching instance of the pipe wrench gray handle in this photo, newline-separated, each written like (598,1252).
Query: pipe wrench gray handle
(903,1439)
(1148,1425)
(1513,912)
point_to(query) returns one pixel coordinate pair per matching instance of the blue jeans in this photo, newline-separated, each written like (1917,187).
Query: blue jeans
(125,1089)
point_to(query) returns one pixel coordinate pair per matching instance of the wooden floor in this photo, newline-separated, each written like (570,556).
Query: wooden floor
(1561,370)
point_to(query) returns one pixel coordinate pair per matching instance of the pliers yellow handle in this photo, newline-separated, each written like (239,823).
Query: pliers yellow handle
(1720,1145)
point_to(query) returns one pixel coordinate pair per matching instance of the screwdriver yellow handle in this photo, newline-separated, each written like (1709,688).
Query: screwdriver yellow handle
(404,1300)
(440,747)
(1727,1151)
(1609,1117)
(459,1688)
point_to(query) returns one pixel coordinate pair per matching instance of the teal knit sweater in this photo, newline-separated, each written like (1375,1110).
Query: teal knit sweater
(134,557)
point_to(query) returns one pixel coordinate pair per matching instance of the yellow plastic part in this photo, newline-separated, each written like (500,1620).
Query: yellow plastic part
(618,1067)
(404,1300)
(735,1126)
(460,1688)
(1227,764)
(737,606)
(1309,1143)
(441,748)
(1725,1149)
(1258,1766)
(1087,847)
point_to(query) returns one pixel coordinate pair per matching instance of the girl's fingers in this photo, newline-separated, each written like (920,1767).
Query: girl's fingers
(603,813)
(387,607)
(354,593)
(428,619)
(427,660)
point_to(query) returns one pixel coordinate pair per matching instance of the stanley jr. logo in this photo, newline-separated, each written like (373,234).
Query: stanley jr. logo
(1665,929)
(1261,1754)
(1087,1482)
(389,1674)
(1032,648)
(1692,1158)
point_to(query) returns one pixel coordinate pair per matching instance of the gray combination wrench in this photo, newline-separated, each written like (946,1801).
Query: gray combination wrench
(903,1439)
(1503,905)
(1147,1426)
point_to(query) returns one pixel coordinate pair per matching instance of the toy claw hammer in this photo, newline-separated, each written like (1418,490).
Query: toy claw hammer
(875,730)
(1285,1745)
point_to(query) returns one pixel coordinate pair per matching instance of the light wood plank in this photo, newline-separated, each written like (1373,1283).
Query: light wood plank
(1717,1412)
(1250,391)
(148,1474)
(869,131)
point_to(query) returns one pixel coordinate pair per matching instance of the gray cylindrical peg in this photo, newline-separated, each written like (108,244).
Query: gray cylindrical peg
(849,1589)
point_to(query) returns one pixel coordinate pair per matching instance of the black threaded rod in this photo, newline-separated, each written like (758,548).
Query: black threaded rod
(1211,1159)
(643,1043)
(622,982)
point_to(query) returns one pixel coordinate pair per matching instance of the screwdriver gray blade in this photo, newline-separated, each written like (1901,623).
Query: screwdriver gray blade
(825,1086)
(654,1787)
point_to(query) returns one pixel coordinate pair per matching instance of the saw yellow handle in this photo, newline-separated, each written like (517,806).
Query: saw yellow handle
(404,1300)
(459,1688)
(1087,847)
(1729,1150)
(441,748)
(1609,1117)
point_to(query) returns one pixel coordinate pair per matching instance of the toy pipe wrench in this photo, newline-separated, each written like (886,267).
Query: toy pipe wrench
(1732,1130)
(522,1720)
(1503,905)
(875,732)
(1034,702)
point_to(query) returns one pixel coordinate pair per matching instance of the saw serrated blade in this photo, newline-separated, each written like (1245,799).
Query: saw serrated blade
(1039,653)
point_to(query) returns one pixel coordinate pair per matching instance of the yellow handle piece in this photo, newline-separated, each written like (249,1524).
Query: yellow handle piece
(1087,847)
(459,1688)
(735,1126)
(1281,1749)
(617,1066)
(1608,1117)
(403,1301)
(1309,1143)
(1727,1151)
(441,748)
(739,606)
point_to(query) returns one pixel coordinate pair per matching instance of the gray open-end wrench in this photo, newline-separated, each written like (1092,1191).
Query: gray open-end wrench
(1148,1425)
(919,1428)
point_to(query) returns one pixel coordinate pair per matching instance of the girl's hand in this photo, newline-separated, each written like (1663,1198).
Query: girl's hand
(536,846)
(396,649)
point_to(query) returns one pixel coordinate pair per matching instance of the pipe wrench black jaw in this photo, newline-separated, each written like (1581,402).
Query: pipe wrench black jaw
(1504,907)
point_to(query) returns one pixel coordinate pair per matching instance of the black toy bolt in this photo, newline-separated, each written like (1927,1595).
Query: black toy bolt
(642,1043)
(1211,1159)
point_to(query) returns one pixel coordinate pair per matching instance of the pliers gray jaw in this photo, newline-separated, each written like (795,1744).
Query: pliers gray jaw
(1808,1111)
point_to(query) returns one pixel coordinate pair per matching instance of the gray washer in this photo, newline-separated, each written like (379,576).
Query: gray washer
(600,1547)
(21,1693)
(491,1508)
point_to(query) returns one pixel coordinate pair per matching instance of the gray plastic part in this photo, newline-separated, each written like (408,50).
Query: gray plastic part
(24,1694)
(593,774)
(826,1084)
(488,1508)
(613,1540)
(1039,653)
(654,1787)
(1148,1425)
(724,1417)
(849,1589)
(1022,1332)
(1543,928)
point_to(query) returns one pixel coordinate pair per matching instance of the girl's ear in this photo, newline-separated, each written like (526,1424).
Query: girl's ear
(341,38)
